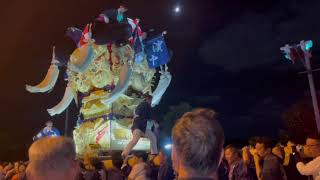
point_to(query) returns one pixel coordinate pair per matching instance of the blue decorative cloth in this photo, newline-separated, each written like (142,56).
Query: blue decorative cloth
(157,52)
(46,132)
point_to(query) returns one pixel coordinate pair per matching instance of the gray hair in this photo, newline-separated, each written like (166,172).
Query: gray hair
(198,139)
(52,154)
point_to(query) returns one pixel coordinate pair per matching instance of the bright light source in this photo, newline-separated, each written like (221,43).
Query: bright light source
(177,9)
(309,45)
(168,146)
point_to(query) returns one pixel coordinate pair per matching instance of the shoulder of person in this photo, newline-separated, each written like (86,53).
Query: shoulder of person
(317,158)
(271,161)
(241,163)
(271,157)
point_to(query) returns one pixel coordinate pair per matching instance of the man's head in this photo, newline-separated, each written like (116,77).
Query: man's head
(312,147)
(16,166)
(139,157)
(123,7)
(21,168)
(198,140)
(253,142)
(8,167)
(117,160)
(49,124)
(263,146)
(231,154)
(52,158)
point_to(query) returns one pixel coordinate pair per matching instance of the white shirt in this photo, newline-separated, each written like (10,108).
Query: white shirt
(311,168)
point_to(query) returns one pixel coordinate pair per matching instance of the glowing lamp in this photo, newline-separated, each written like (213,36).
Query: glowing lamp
(168,146)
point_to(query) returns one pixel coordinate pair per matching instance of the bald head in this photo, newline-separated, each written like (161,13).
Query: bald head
(52,157)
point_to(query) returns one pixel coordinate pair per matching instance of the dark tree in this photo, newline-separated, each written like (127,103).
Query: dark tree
(169,119)
(299,119)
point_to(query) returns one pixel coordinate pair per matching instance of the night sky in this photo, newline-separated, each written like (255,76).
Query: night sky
(226,57)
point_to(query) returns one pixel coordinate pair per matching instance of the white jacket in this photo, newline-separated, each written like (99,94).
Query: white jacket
(310,169)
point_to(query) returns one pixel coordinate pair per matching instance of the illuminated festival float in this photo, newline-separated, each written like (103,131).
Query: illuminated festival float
(107,81)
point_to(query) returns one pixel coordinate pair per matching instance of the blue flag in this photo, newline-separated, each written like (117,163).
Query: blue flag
(157,52)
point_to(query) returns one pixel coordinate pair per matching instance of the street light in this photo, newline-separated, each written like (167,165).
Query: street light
(302,52)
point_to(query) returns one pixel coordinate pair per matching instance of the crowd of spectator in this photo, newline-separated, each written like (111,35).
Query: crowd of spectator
(198,152)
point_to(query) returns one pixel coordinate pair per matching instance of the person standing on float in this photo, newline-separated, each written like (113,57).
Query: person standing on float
(139,127)
(48,131)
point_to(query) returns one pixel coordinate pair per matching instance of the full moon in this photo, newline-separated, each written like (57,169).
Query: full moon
(177,9)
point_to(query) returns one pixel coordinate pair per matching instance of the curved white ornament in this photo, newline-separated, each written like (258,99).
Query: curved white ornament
(50,79)
(165,80)
(64,103)
(122,86)
(85,59)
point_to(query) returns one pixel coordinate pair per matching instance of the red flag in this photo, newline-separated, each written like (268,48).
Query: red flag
(86,35)
(135,27)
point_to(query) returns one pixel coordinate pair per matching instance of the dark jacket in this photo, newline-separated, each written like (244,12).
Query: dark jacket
(238,171)
(115,174)
(291,169)
(272,169)
(166,172)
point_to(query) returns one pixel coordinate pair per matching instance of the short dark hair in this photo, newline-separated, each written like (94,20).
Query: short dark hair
(198,139)
(253,141)
(117,160)
(97,164)
(233,148)
(267,142)
(142,155)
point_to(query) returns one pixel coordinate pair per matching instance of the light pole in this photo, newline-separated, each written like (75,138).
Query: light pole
(302,52)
